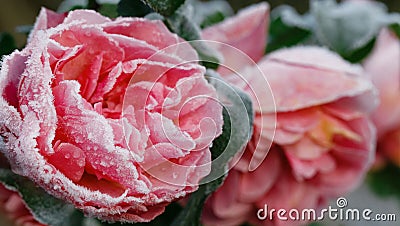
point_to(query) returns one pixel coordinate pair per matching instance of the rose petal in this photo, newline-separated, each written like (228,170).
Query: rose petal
(89,131)
(386,77)
(255,184)
(46,19)
(306,149)
(246,31)
(305,169)
(35,95)
(298,121)
(99,72)
(13,67)
(155,33)
(164,130)
(70,160)
(183,174)
(297,84)
(225,204)
(87,17)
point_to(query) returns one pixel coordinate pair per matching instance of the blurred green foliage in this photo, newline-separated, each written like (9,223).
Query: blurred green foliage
(378,181)
(7,44)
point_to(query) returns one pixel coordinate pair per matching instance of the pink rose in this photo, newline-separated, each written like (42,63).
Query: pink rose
(90,114)
(14,208)
(383,66)
(323,142)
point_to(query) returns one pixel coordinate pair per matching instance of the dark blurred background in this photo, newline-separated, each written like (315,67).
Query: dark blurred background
(23,12)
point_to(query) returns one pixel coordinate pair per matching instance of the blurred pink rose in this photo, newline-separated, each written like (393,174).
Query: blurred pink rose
(383,65)
(388,149)
(323,144)
(92,116)
(14,208)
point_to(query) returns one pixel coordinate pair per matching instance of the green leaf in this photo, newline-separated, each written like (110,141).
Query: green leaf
(105,7)
(164,7)
(209,13)
(385,182)
(396,29)
(287,28)
(44,207)
(180,24)
(394,23)
(134,8)
(108,10)
(349,26)
(92,4)
(190,216)
(237,109)
(68,5)
(316,224)
(164,219)
(212,19)
(7,44)
(359,54)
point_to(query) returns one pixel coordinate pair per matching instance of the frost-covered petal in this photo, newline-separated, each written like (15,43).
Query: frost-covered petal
(87,17)
(155,33)
(92,133)
(70,160)
(46,19)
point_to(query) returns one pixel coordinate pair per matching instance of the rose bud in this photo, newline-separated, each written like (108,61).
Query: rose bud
(94,113)
(323,143)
